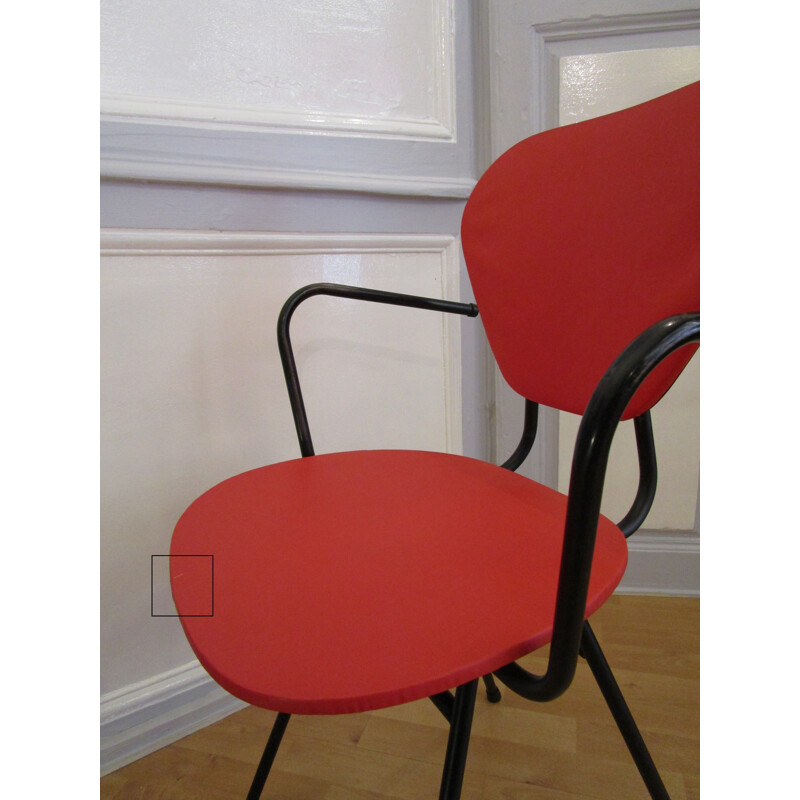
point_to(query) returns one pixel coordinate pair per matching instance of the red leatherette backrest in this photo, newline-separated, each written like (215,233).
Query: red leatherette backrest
(579,238)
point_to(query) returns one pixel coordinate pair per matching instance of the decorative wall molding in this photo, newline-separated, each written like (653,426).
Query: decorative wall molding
(199,154)
(165,111)
(440,125)
(417,153)
(146,716)
(552,40)
(621,25)
(210,173)
(123,241)
(663,562)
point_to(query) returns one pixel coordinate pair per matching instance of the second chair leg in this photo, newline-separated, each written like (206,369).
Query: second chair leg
(260,778)
(590,649)
(458,741)
(492,692)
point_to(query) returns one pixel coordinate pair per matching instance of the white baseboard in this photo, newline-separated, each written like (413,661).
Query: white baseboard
(143,717)
(663,562)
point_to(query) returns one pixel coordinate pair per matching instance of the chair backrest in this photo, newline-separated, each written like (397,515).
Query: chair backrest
(579,238)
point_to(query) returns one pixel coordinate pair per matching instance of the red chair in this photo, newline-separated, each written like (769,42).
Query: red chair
(359,580)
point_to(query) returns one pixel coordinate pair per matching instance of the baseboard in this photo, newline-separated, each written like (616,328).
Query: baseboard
(146,716)
(663,562)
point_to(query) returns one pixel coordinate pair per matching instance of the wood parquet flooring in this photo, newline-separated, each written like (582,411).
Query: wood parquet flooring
(568,749)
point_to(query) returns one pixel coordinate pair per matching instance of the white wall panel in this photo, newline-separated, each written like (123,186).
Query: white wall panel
(314,95)
(192,390)
(592,84)
(282,62)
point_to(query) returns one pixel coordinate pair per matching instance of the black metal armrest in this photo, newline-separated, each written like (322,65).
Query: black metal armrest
(353,293)
(590,460)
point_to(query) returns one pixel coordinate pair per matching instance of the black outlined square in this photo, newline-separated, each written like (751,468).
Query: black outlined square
(197,568)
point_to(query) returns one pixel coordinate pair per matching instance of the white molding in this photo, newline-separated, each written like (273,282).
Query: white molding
(444,68)
(663,562)
(170,140)
(451,348)
(227,116)
(217,173)
(619,25)
(553,40)
(536,33)
(124,241)
(139,719)
(165,111)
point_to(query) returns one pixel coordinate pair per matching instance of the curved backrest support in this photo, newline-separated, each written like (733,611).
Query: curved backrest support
(628,373)
(579,238)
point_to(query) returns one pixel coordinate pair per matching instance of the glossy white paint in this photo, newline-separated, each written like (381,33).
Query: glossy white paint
(214,120)
(600,83)
(592,84)
(192,390)
(377,67)
(320,95)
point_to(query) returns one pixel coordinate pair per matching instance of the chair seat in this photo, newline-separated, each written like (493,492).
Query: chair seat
(360,580)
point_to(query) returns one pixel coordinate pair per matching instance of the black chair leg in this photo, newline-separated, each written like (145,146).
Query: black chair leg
(492,692)
(264,766)
(444,702)
(458,741)
(590,650)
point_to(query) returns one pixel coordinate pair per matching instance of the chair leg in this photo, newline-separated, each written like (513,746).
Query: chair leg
(590,650)
(264,766)
(458,741)
(444,702)
(492,692)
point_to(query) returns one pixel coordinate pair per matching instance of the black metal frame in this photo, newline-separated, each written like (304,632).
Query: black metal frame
(572,635)
(352,293)
(590,459)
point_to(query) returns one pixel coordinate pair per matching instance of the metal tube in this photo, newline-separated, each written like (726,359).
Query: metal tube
(590,648)
(444,702)
(596,432)
(264,766)
(529,429)
(352,293)
(458,741)
(648,475)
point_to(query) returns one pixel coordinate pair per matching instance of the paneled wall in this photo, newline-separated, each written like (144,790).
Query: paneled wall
(249,149)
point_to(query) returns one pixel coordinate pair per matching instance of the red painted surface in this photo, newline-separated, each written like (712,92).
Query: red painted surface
(354,581)
(579,238)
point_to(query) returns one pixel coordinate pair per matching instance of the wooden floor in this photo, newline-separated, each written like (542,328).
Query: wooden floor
(564,750)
